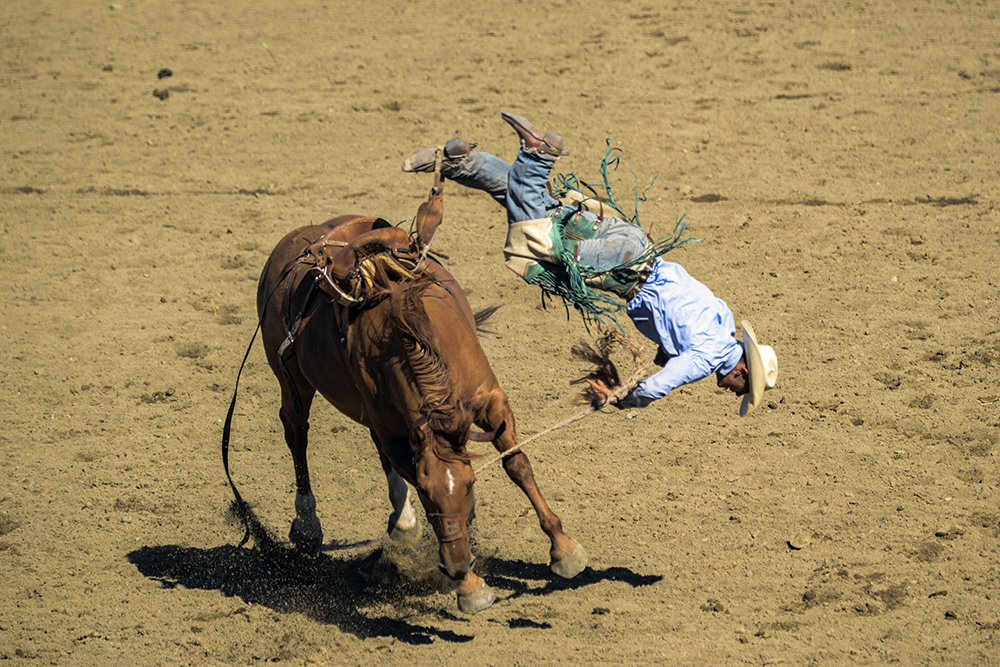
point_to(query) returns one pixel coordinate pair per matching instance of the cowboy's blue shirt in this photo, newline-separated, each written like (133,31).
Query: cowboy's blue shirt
(693,326)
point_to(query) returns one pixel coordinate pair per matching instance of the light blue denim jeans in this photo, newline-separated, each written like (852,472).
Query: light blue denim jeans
(487,172)
(521,189)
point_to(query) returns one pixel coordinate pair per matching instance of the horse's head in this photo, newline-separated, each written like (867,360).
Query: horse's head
(444,482)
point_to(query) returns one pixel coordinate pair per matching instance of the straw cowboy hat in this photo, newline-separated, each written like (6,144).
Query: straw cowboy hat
(763,365)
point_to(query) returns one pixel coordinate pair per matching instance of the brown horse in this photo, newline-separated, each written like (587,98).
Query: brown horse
(391,341)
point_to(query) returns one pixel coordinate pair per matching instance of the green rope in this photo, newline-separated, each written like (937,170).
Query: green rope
(569,286)
(613,162)
(570,280)
(570,181)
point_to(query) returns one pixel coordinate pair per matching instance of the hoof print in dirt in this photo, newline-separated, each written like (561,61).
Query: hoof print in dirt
(800,540)
(165,396)
(714,606)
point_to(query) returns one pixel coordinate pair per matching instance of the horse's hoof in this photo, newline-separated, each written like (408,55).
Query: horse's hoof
(477,600)
(571,565)
(307,536)
(407,538)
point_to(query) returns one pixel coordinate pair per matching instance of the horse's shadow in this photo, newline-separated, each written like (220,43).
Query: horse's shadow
(337,589)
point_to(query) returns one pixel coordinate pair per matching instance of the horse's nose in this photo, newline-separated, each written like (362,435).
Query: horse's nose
(456,560)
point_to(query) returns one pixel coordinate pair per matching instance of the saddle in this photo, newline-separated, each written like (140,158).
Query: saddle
(350,258)
(352,263)
(356,259)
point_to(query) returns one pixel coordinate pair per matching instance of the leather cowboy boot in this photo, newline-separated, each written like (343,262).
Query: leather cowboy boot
(531,139)
(422,160)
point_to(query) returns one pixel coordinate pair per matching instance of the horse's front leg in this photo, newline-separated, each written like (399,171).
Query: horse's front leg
(568,558)
(403,527)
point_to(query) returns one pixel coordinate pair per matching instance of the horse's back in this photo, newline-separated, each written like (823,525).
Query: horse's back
(293,244)
(319,353)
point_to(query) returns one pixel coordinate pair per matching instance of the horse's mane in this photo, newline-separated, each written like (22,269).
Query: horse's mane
(445,415)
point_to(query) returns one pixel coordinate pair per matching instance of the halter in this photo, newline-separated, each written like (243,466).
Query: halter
(450,527)
(453,527)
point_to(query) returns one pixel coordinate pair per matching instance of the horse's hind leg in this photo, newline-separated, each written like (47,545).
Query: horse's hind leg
(306,532)
(403,527)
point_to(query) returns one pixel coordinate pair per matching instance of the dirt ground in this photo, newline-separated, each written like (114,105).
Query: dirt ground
(839,162)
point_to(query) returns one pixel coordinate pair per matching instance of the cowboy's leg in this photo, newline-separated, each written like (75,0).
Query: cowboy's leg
(616,242)
(481,171)
(487,172)
(527,194)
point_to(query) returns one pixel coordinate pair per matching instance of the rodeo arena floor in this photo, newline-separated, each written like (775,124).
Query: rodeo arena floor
(837,163)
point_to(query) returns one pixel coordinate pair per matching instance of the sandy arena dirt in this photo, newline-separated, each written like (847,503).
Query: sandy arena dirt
(839,162)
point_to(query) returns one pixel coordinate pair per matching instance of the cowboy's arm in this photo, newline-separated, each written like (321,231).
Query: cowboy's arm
(685,368)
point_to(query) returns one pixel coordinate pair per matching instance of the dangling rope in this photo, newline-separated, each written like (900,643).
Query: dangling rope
(570,181)
(583,287)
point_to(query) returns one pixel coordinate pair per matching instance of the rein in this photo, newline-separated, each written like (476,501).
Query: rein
(477,436)
(241,505)
(517,448)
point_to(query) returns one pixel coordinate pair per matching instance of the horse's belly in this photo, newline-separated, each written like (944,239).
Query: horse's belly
(350,409)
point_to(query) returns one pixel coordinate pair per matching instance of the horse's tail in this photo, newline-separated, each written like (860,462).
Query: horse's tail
(483,316)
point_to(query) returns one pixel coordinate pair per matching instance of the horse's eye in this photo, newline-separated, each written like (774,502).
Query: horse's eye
(417,436)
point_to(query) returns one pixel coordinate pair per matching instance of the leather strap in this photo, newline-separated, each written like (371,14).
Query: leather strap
(644,274)
(478,436)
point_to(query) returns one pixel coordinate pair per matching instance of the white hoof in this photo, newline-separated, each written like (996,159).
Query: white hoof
(477,600)
(571,565)
(408,537)
(403,526)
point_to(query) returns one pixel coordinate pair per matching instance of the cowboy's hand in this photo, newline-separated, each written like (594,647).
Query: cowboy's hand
(604,391)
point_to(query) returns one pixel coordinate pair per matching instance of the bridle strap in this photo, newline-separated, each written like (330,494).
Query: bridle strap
(490,436)
(477,436)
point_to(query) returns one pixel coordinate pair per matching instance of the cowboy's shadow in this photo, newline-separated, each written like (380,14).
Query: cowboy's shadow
(337,589)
